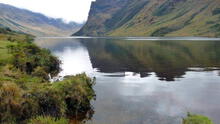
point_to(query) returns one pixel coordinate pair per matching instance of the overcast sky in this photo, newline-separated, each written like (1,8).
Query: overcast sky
(69,10)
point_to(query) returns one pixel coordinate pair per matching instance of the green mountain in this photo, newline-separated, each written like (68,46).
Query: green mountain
(34,23)
(153,18)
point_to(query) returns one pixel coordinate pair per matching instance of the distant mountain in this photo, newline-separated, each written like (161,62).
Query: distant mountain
(34,23)
(153,18)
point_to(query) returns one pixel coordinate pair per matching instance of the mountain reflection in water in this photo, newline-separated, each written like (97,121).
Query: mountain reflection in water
(168,59)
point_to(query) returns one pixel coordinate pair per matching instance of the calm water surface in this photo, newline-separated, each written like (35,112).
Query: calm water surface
(145,80)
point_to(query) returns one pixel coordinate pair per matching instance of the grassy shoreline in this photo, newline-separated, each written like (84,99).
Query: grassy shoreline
(27,96)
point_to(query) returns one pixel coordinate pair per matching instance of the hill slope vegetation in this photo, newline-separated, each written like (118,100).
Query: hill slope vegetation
(153,18)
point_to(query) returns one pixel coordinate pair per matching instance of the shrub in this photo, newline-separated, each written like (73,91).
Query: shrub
(77,92)
(70,97)
(50,101)
(31,59)
(48,120)
(40,72)
(196,119)
(11,102)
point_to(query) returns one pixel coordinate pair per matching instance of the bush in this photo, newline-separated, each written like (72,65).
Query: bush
(11,102)
(77,92)
(50,101)
(48,120)
(40,72)
(31,59)
(70,97)
(196,119)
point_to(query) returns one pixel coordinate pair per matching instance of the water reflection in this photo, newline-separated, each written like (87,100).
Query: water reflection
(75,61)
(133,77)
(168,59)
(129,100)
(74,56)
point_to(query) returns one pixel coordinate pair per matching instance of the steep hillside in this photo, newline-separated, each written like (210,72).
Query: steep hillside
(100,11)
(153,18)
(34,23)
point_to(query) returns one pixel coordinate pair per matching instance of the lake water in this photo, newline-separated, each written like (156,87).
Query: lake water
(145,80)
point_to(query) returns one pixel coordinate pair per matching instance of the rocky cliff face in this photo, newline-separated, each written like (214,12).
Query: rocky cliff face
(153,18)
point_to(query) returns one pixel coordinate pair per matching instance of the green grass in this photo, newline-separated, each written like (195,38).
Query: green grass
(4,55)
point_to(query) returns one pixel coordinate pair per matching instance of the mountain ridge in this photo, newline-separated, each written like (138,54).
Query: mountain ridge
(154,18)
(34,23)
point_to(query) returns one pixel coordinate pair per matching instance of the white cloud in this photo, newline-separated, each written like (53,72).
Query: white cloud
(69,10)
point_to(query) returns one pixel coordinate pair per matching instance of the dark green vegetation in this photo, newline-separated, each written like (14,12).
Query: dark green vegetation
(153,18)
(34,23)
(196,119)
(48,120)
(27,95)
(30,59)
(168,59)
